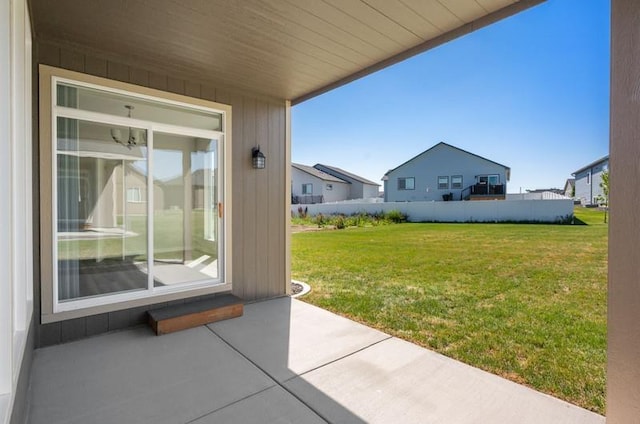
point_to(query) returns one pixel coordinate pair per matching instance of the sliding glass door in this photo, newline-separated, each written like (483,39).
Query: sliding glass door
(137,204)
(185,220)
(100,240)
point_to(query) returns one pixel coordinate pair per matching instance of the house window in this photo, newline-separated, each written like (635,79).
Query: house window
(589,177)
(329,187)
(134,191)
(443,183)
(406,183)
(456,181)
(307,188)
(135,195)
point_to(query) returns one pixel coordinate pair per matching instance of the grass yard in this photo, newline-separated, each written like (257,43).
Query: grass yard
(168,239)
(527,302)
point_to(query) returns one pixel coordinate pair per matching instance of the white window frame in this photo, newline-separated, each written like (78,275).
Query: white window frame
(305,189)
(457,186)
(445,185)
(54,310)
(403,186)
(138,195)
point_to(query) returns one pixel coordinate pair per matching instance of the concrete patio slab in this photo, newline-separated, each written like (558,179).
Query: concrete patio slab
(396,381)
(134,376)
(274,405)
(284,361)
(286,337)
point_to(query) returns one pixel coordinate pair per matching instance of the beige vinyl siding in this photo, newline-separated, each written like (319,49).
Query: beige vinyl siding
(259,201)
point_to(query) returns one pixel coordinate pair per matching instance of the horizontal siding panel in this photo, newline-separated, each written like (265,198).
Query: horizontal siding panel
(329,28)
(298,26)
(436,13)
(492,5)
(357,28)
(406,17)
(466,10)
(390,29)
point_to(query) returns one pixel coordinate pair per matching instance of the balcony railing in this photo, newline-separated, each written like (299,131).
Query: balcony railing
(482,190)
(306,200)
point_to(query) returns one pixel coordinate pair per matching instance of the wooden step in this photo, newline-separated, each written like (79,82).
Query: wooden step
(180,317)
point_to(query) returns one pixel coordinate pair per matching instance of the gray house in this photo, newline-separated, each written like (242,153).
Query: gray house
(310,185)
(446,172)
(587,181)
(360,188)
(569,187)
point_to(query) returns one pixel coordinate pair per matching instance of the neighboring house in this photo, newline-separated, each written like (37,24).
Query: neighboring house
(186,66)
(134,185)
(446,172)
(310,185)
(587,181)
(547,190)
(569,187)
(360,188)
(201,193)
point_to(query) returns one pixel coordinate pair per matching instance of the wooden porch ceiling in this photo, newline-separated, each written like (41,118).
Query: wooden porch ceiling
(287,49)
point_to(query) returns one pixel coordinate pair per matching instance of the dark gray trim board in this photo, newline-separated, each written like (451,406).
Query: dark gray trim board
(20,403)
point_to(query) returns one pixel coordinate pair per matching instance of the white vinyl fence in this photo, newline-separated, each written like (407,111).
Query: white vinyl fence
(552,210)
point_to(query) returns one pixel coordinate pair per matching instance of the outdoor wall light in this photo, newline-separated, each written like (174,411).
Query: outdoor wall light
(257,158)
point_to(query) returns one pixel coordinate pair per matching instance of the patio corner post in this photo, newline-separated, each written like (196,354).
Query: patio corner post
(623,368)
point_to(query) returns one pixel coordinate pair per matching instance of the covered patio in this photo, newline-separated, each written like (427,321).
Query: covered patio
(284,361)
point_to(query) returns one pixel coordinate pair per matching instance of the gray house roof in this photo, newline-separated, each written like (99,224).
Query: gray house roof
(338,172)
(508,170)
(318,174)
(591,165)
(571,182)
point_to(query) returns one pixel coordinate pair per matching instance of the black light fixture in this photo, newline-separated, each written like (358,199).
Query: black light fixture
(258,158)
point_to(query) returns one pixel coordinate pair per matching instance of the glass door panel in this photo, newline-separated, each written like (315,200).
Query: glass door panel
(101,237)
(95,100)
(185,216)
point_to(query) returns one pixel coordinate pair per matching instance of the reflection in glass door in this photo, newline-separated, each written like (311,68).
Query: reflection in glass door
(135,194)
(101,236)
(185,215)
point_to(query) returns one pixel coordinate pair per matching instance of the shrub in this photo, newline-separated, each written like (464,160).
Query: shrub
(320,220)
(341,221)
(395,216)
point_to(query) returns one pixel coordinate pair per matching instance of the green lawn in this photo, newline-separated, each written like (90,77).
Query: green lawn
(527,302)
(168,239)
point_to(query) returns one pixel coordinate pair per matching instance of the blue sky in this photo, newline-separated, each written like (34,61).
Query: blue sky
(530,92)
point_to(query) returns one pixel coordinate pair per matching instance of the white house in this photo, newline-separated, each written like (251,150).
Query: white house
(446,172)
(569,187)
(587,181)
(360,188)
(311,185)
